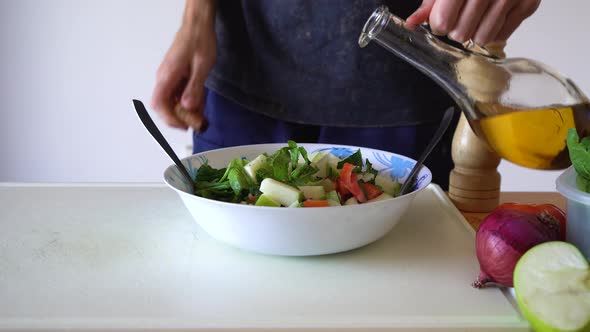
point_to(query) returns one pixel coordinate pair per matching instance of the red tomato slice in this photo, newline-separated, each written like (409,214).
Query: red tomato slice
(346,173)
(356,190)
(349,181)
(344,180)
(341,188)
(371,190)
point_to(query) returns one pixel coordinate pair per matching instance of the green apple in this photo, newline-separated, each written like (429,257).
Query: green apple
(552,286)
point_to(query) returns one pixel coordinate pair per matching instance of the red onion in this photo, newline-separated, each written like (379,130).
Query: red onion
(504,236)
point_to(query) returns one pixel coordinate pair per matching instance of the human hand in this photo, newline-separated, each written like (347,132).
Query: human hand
(178,96)
(483,21)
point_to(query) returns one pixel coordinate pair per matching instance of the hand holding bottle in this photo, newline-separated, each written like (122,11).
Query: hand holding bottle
(483,21)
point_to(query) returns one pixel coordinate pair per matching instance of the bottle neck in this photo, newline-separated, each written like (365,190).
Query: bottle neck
(420,48)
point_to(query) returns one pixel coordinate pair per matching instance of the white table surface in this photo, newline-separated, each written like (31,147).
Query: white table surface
(130,258)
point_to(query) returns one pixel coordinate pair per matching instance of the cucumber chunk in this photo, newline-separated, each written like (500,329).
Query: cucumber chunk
(333,196)
(380,197)
(313,192)
(390,187)
(254,166)
(265,200)
(280,192)
(351,201)
(324,160)
(328,185)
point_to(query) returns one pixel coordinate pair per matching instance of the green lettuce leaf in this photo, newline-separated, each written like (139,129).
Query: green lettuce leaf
(230,184)
(304,155)
(582,183)
(331,173)
(303,175)
(579,152)
(370,170)
(207,173)
(238,180)
(294,152)
(355,159)
(280,161)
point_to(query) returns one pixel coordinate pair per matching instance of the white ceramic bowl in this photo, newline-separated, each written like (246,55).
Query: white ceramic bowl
(297,231)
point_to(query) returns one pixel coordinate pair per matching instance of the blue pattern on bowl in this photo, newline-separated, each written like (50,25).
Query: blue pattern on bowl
(418,183)
(336,151)
(398,168)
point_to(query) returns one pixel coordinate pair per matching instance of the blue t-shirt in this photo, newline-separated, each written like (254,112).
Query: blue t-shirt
(299,61)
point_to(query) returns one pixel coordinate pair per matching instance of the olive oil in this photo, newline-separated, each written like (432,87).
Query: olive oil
(486,86)
(533,138)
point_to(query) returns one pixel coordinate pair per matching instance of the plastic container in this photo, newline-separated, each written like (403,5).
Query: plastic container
(578,210)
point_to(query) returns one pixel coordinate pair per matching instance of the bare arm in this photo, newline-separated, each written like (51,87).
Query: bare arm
(178,96)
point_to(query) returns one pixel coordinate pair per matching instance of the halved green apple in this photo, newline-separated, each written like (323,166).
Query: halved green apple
(552,286)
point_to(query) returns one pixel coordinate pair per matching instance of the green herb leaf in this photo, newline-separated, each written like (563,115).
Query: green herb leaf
(206,173)
(264,172)
(355,159)
(218,191)
(280,165)
(304,155)
(303,174)
(233,164)
(331,173)
(255,190)
(215,186)
(579,152)
(232,186)
(294,151)
(371,170)
(238,180)
(582,183)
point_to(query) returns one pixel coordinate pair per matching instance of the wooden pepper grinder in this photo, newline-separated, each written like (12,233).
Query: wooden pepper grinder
(474,183)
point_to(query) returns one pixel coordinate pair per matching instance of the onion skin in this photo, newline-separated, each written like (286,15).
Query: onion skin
(551,209)
(504,236)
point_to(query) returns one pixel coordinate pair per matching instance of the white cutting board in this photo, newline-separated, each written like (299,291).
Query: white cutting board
(128,258)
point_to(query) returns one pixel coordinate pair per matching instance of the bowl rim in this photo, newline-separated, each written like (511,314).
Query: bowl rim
(331,208)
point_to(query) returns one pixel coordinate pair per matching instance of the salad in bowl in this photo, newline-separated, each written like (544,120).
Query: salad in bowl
(296,199)
(290,177)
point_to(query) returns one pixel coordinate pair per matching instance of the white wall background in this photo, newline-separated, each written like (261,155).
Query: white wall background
(69,69)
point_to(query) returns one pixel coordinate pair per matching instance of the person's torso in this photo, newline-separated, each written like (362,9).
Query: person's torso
(299,61)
